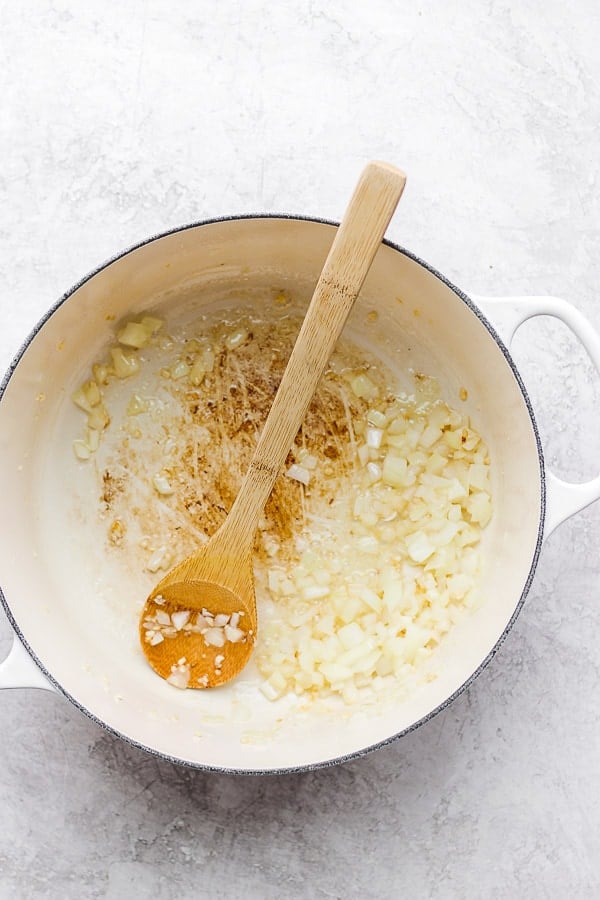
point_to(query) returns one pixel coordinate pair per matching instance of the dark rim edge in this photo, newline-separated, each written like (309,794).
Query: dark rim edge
(357,754)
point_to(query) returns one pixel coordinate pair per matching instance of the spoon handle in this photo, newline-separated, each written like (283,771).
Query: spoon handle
(356,242)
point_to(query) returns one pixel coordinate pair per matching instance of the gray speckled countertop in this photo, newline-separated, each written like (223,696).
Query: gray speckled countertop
(118,120)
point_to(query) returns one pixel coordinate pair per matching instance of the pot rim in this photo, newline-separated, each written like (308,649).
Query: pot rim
(357,754)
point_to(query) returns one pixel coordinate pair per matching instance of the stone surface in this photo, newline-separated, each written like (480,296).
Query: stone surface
(120,120)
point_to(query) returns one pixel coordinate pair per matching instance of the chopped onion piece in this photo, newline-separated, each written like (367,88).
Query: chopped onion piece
(152,324)
(236,338)
(315,592)
(162,485)
(100,372)
(197,372)
(351,635)
(87,396)
(419,547)
(270,691)
(98,419)
(134,334)
(207,357)
(374,438)
(137,405)
(298,473)
(125,363)
(158,560)
(394,470)
(480,508)
(376,418)
(179,370)
(373,471)
(335,673)
(364,388)
(92,439)
(307,460)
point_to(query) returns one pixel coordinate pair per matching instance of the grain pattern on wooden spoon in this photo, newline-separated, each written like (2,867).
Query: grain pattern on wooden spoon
(199,624)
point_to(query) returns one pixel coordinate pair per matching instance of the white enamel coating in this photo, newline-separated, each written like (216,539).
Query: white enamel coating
(18,670)
(507,314)
(87,639)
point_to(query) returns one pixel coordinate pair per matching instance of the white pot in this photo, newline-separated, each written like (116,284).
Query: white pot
(75,623)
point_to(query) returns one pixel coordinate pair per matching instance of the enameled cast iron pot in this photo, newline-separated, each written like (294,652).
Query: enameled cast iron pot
(76,634)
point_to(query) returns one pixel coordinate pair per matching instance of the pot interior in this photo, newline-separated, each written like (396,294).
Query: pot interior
(76,605)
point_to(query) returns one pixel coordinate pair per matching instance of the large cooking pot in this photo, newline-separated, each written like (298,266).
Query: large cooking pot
(76,633)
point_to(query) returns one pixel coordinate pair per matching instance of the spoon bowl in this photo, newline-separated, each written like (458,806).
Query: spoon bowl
(196,651)
(198,627)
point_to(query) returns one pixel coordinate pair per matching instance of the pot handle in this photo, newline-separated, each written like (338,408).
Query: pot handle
(506,314)
(19,670)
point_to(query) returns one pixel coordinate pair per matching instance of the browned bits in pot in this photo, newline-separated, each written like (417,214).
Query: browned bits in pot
(229,410)
(111,486)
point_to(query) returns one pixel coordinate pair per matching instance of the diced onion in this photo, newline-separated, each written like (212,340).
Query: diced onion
(162,485)
(125,362)
(363,454)
(364,388)
(158,560)
(374,437)
(424,491)
(134,334)
(87,396)
(98,419)
(236,338)
(376,418)
(197,372)
(373,471)
(298,473)
(92,439)
(394,470)
(385,558)
(101,373)
(307,460)
(152,324)
(179,370)
(137,405)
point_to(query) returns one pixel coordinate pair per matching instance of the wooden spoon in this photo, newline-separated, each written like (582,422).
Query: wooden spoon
(198,626)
